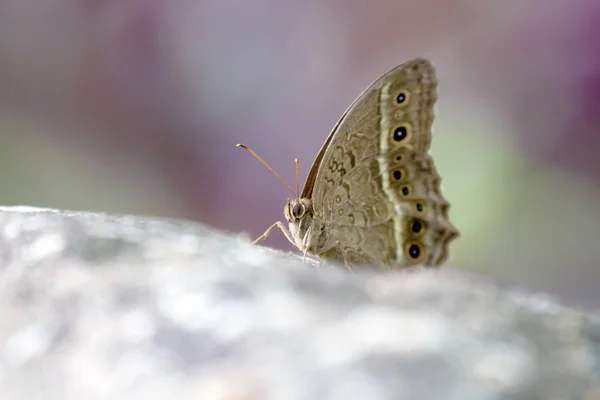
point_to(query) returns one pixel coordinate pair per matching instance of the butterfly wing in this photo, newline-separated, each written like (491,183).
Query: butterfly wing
(374,188)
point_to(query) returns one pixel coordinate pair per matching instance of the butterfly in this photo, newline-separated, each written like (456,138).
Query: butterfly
(373,194)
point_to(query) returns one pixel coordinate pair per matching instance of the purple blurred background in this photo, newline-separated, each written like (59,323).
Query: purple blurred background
(136,106)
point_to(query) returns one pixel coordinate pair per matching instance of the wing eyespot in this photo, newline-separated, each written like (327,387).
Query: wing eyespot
(414,252)
(399,174)
(420,207)
(403,97)
(401,132)
(418,227)
(406,190)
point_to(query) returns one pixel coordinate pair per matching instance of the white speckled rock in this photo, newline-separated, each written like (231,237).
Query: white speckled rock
(119,307)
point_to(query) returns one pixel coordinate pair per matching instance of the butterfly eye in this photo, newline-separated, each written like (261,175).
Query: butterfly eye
(402,97)
(298,211)
(414,252)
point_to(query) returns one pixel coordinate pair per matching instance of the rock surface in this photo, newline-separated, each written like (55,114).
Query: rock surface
(100,306)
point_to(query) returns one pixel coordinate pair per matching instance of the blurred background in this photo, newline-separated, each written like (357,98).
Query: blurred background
(136,106)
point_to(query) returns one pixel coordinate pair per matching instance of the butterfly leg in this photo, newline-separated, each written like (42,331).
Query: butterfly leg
(279,225)
(305,240)
(329,246)
(348,267)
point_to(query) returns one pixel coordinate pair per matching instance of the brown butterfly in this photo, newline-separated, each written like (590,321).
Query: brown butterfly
(373,193)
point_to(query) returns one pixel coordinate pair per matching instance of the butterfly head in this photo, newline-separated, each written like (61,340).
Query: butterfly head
(299,214)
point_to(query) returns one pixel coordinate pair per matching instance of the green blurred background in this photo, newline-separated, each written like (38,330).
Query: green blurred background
(136,107)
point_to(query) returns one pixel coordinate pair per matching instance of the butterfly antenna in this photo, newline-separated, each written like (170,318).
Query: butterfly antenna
(249,150)
(297,173)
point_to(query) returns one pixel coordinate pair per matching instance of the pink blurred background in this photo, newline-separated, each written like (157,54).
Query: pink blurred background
(136,106)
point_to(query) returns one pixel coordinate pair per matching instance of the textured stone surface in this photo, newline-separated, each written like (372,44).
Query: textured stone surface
(118,307)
